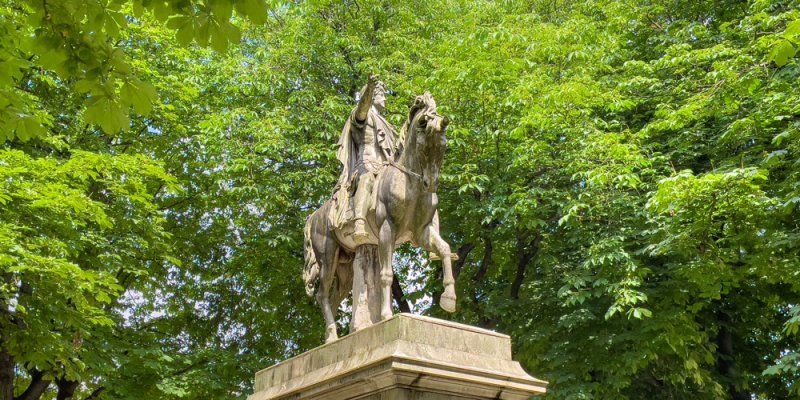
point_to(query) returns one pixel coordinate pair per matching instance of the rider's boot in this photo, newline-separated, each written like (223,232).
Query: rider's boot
(360,205)
(360,235)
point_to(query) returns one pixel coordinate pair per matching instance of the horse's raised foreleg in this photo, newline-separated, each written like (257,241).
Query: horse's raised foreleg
(432,241)
(385,250)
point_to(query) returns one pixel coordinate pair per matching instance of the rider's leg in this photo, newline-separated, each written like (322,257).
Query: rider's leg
(361,205)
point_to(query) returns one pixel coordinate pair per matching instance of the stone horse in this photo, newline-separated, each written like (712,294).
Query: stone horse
(404,209)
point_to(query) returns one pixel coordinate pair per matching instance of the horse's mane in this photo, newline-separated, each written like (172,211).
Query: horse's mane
(424,101)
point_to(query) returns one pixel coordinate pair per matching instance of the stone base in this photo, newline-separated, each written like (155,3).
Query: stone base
(404,357)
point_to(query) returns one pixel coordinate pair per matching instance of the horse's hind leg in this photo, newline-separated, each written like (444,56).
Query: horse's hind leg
(327,272)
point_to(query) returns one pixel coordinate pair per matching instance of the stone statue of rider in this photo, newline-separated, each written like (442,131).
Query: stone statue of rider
(366,144)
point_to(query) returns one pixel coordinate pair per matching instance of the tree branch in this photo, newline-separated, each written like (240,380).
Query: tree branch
(399,296)
(36,388)
(526,251)
(463,253)
(66,388)
(96,393)
(486,262)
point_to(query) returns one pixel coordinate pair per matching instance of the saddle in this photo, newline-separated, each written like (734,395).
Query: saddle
(341,211)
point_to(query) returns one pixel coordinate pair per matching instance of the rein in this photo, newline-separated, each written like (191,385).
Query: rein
(403,169)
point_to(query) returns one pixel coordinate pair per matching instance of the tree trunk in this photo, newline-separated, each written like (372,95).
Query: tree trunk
(7,362)
(486,262)
(6,372)
(526,251)
(66,389)
(36,388)
(96,393)
(726,364)
(463,253)
(399,296)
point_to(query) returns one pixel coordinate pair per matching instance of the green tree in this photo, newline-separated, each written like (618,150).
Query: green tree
(621,186)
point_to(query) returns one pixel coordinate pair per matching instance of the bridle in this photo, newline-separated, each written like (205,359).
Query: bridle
(402,168)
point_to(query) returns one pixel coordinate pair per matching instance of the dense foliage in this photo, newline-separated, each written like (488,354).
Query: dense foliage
(622,186)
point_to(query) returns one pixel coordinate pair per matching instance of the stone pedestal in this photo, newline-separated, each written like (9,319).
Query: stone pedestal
(404,357)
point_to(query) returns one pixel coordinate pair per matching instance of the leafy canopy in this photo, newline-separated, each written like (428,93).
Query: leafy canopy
(622,186)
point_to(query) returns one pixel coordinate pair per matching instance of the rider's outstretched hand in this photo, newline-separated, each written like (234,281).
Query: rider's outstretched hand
(373,82)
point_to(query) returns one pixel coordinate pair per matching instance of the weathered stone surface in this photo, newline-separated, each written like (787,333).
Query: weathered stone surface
(404,357)
(385,196)
(366,287)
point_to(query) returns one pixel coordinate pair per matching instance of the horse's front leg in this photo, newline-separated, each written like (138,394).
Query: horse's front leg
(432,241)
(385,250)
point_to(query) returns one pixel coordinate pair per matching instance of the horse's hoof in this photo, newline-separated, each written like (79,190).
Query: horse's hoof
(448,303)
(330,334)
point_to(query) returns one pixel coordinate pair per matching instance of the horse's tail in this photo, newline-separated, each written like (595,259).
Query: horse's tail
(311,267)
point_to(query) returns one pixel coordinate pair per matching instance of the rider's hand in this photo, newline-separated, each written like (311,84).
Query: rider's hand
(373,82)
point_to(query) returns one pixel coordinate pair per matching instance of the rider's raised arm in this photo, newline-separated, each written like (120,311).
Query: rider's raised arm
(365,102)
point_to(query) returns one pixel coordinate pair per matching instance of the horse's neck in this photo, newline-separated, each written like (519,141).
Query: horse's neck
(409,159)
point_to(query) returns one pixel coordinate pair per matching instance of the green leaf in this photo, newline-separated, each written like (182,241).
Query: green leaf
(175,261)
(107,113)
(138,9)
(103,297)
(85,85)
(782,52)
(233,34)
(11,69)
(256,10)
(222,11)
(779,138)
(185,34)
(202,33)
(27,127)
(162,10)
(219,35)
(178,22)
(140,95)
(793,28)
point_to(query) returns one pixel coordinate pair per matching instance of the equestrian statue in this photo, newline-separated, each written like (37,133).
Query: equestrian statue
(385,196)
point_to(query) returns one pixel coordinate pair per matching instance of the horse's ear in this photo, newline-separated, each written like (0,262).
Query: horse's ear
(429,101)
(419,103)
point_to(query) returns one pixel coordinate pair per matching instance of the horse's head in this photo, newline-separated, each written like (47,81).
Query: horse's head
(426,139)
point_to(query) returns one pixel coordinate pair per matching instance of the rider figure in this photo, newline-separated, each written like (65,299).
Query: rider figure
(366,143)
